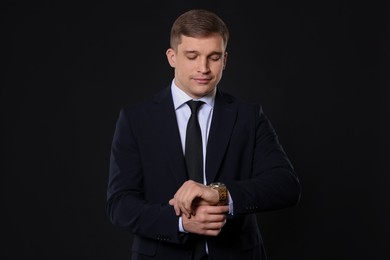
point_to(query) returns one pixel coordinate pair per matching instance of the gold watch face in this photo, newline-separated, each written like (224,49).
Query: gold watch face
(217,185)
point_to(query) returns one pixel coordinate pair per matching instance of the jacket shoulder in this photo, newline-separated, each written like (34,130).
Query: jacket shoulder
(143,105)
(240,103)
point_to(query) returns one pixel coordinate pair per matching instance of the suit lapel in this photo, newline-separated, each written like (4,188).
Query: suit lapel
(224,118)
(169,137)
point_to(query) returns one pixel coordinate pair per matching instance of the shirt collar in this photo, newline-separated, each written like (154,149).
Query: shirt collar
(180,97)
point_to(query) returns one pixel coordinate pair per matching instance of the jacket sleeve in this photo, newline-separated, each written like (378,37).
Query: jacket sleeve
(273,183)
(126,205)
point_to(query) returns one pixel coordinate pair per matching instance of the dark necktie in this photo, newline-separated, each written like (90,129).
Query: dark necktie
(193,147)
(194,162)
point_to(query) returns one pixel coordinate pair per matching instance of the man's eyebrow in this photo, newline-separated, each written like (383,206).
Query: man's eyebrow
(190,51)
(196,52)
(216,53)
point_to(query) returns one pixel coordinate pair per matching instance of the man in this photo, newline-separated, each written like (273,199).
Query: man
(152,192)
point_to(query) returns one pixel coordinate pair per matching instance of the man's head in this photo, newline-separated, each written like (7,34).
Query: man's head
(198,23)
(198,51)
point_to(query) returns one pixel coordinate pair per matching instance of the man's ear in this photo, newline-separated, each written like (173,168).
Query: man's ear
(171,56)
(225,59)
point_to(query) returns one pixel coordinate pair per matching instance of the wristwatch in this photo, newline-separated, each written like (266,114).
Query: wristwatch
(222,191)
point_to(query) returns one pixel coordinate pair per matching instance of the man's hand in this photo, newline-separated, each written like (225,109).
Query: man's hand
(208,220)
(192,194)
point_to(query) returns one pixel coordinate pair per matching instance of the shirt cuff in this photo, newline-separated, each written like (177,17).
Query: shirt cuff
(181,228)
(230,205)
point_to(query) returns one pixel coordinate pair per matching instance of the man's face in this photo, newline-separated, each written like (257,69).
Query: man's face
(198,64)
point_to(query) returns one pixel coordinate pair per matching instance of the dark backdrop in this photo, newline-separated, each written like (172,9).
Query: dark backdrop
(320,69)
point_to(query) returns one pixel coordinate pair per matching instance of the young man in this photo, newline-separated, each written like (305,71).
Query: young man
(186,196)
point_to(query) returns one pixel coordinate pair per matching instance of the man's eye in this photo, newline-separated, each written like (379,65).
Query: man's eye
(191,57)
(215,57)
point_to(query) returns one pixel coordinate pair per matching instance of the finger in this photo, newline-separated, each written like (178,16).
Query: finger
(218,209)
(173,203)
(188,208)
(177,209)
(215,226)
(212,232)
(187,214)
(184,211)
(216,219)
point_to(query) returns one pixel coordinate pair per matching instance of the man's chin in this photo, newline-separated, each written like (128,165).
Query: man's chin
(200,94)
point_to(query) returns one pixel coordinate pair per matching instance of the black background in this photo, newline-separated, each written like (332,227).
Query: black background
(320,69)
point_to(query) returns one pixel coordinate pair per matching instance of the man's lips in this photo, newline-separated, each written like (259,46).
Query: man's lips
(202,80)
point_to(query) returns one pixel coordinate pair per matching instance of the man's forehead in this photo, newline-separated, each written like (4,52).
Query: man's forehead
(208,44)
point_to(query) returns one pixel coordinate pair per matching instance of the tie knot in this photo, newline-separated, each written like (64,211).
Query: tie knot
(194,105)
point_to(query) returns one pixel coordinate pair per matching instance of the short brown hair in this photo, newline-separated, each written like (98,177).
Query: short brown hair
(198,23)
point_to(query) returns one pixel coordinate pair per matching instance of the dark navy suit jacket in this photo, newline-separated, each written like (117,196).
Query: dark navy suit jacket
(147,167)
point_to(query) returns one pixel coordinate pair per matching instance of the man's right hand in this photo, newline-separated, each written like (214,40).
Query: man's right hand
(207,221)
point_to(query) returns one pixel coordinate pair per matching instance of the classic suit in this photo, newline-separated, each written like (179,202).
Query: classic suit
(147,167)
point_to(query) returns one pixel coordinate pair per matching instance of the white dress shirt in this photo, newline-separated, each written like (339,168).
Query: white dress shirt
(183,113)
